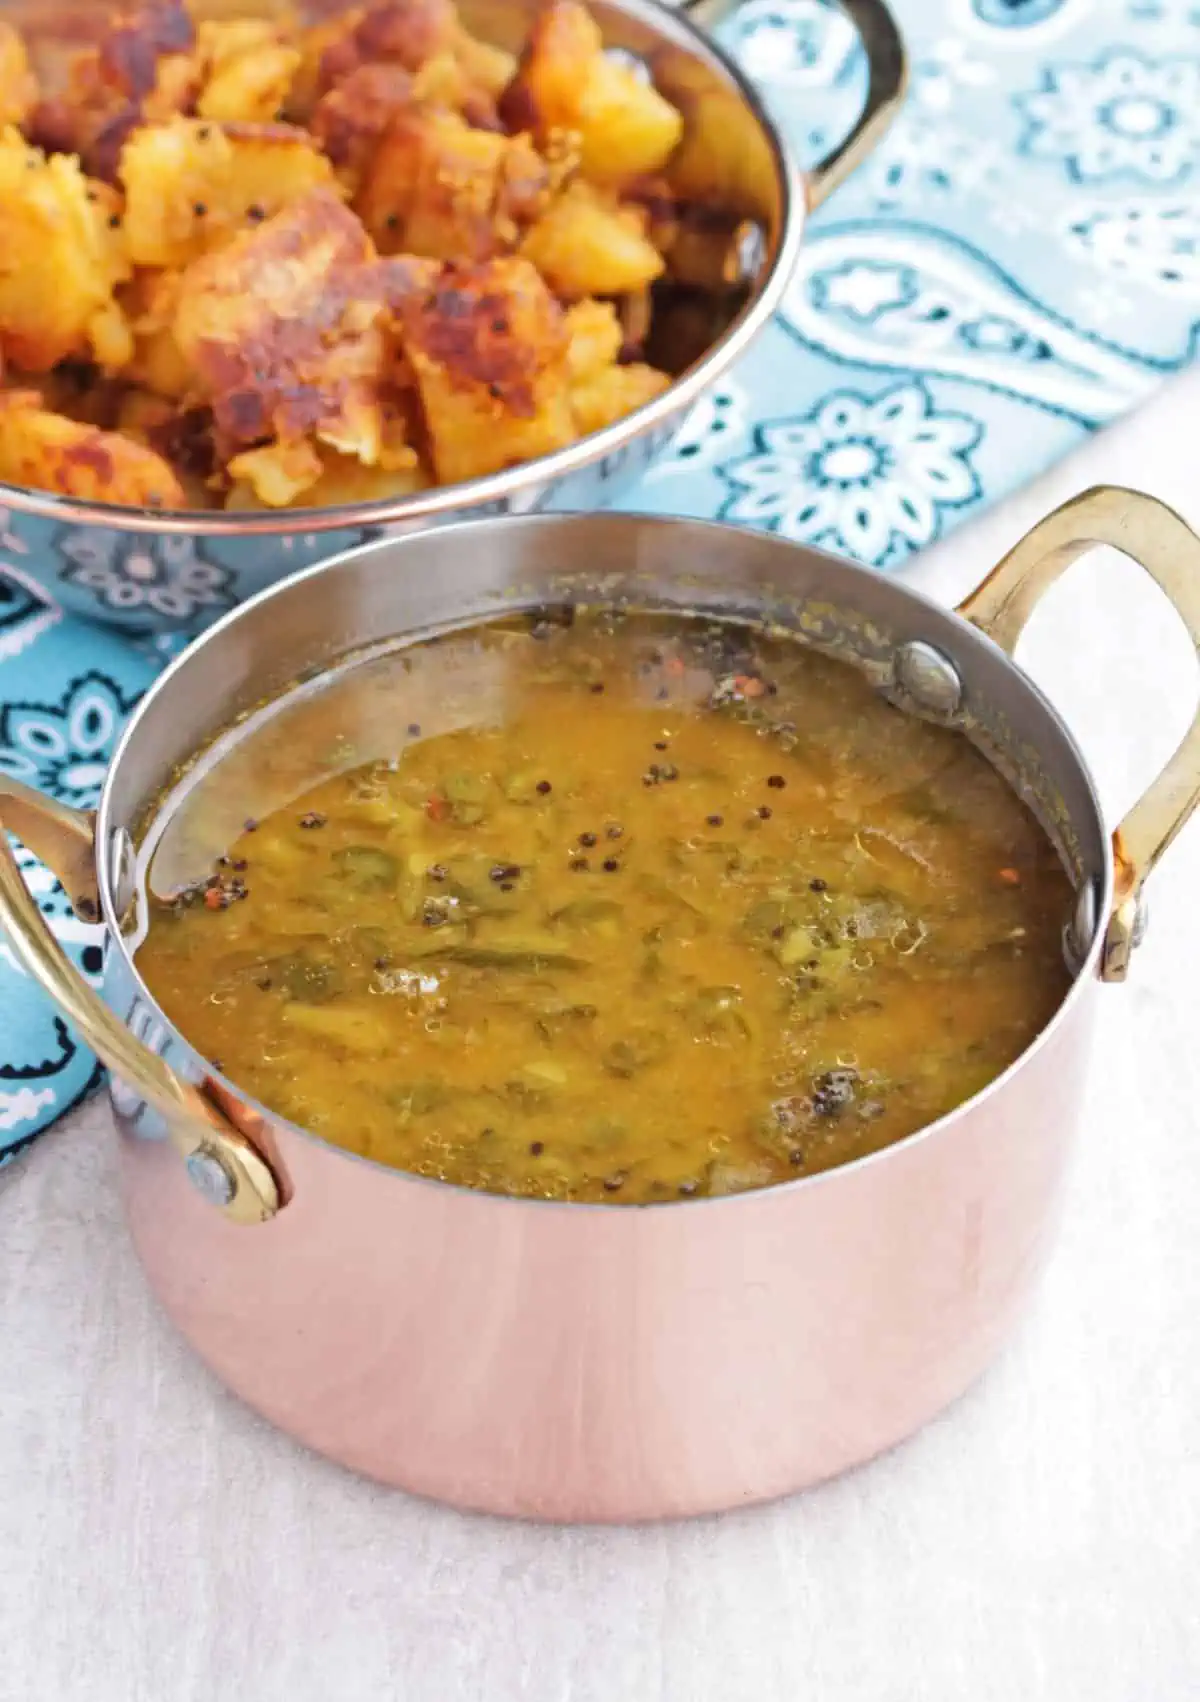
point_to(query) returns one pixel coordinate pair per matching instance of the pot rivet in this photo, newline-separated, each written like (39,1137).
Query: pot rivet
(1081,929)
(122,871)
(926,678)
(210,1177)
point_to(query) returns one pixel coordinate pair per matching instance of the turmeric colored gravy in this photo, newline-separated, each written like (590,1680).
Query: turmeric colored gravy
(642,908)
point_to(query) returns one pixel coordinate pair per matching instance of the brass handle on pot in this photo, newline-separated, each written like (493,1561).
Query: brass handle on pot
(887,80)
(227,1166)
(1159,540)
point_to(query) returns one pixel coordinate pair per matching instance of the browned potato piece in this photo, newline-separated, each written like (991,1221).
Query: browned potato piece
(18,86)
(282,331)
(488,345)
(59,262)
(141,414)
(586,245)
(157,362)
(279,474)
(608,395)
(342,482)
(134,53)
(322,48)
(190,184)
(141,72)
(724,159)
(406,33)
(181,438)
(403,32)
(444,81)
(248,69)
(601,391)
(491,68)
(349,120)
(438,188)
(596,337)
(49,452)
(273,166)
(565,84)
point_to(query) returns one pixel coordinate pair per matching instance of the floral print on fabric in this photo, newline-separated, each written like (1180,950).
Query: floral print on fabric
(860,475)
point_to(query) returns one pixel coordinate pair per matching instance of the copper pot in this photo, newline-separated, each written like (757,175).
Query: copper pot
(146,570)
(567,1361)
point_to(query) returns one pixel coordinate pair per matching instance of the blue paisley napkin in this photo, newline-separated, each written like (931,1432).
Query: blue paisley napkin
(1019,264)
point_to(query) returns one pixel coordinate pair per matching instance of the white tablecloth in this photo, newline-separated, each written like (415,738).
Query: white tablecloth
(1040,1543)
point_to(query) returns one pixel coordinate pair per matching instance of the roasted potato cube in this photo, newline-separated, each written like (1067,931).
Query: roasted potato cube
(248,69)
(182,439)
(278,473)
(566,86)
(343,482)
(585,244)
(406,32)
(111,338)
(169,172)
(190,184)
(488,346)
(444,81)
(438,188)
(157,362)
(59,261)
(141,72)
(273,166)
(349,120)
(626,128)
(283,332)
(608,395)
(141,414)
(49,452)
(323,48)
(724,159)
(135,45)
(595,338)
(490,68)
(396,32)
(18,86)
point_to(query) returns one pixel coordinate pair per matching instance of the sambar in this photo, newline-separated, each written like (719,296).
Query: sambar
(625,907)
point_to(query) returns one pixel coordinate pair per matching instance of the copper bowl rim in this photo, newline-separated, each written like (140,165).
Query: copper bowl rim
(685,390)
(1082,976)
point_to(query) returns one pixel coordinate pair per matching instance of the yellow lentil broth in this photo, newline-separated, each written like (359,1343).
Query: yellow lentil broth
(674,909)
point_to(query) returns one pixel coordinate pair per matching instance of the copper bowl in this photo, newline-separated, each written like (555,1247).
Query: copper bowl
(567,1361)
(149,571)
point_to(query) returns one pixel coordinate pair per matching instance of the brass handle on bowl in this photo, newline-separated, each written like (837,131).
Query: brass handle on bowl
(238,1178)
(887,80)
(1162,543)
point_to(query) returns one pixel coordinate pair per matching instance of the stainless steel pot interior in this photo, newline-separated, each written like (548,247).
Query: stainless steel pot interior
(257,669)
(688,67)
